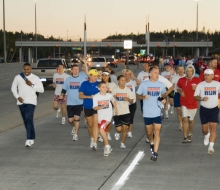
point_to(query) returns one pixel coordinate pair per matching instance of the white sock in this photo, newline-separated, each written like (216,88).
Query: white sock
(151,143)
(211,144)
(107,145)
(166,111)
(58,110)
(63,117)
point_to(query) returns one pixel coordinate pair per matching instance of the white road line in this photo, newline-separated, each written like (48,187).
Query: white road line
(127,172)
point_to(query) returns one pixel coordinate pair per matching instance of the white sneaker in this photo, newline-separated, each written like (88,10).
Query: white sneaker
(100,139)
(211,150)
(85,124)
(73,131)
(180,128)
(171,110)
(109,136)
(58,113)
(63,122)
(28,143)
(206,139)
(91,142)
(147,140)
(122,145)
(32,142)
(94,146)
(117,136)
(129,134)
(167,115)
(107,150)
(75,137)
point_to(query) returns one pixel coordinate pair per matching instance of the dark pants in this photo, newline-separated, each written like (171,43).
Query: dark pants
(27,112)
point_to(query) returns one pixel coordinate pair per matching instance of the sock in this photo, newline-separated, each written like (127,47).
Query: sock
(166,111)
(107,145)
(63,117)
(152,143)
(58,110)
(211,144)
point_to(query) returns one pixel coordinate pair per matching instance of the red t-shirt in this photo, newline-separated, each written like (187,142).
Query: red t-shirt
(204,66)
(218,66)
(186,86)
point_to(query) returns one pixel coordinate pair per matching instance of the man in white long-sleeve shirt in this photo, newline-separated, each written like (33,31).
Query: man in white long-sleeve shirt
(24,88)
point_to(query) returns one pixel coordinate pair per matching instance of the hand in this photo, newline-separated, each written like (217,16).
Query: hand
(106,104)
(116,111)
(91,97)
(108,90)
(54,85)
(164,95)
(61,97)
(132,75)
(194,87)
(182,94)
(146,97)
(163,101)
(20,99)
(29,83)
(126,99)
(205,99)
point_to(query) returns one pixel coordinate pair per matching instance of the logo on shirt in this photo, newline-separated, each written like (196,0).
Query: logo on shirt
(130,87)
(153,91)
(209,91)
(167,77)
(59,80)
(74,85)
(120,96)
(102,102)
(145,77)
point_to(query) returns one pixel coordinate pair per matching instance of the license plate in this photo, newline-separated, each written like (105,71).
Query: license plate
(97,65)
(43,79)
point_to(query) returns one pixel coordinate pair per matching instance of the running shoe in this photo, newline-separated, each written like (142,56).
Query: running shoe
(185,140)
(75,137)
(154,156)
(73,131)
(152,148)
(171,110)
(63,122)
(28,143)
(32,142)
(180,128)
(167,115)
(147,140)
(122,145)
(211,150)
(100,139)
(58,113)
(107,150)
(117,136)
(109,136)
(129,134)
(94,147)
(91,142)
(85,124)
(206,139)
(189,138)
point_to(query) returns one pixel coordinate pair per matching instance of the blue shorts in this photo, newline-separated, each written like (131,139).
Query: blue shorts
(208,115)
(150,121)
(177,100)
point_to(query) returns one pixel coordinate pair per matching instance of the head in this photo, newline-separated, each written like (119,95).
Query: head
(27,69)
(154,73)
(83,66)
(93,75)
(75,70)
(100,75)
(127,74)
(180,70)
(102,86)
(108,68)
(190,71)
(146,67)
(121,81)
(208,75)
(213,63)
(60,68)
(106,77)
(167,67)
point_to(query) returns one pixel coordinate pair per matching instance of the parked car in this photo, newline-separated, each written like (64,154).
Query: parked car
(112,62)
(98,62)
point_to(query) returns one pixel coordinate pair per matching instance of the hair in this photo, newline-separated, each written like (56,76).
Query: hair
(120,76)
(109,78)
(72,66)
(125,71)
(152,68)
(82,63)
(212,58)
(27,64)
(100,84)
(180,66)
(60,64)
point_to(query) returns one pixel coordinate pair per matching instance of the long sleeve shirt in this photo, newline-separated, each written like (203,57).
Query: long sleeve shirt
(19,88)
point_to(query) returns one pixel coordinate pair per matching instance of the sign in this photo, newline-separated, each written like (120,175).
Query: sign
(142,51)
(76,48)
(128,44)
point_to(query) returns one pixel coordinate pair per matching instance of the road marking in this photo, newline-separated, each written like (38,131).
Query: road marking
(127,172)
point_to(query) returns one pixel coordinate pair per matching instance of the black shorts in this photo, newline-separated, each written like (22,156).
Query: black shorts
(171,94)
(150,121)
(132,109)
(74,110)
(141,103)
(208,115)
(177,100)
(122,119)
(89,112)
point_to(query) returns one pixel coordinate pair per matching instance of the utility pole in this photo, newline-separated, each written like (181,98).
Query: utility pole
(5,52)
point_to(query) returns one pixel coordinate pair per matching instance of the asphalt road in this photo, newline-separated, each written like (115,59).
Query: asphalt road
(56,162)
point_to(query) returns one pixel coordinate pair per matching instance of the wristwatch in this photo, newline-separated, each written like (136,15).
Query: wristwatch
(32,85)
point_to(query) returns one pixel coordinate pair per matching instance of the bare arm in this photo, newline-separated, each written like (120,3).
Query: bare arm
(82,96)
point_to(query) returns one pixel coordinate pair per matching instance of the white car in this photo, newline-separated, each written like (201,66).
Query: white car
(98,62)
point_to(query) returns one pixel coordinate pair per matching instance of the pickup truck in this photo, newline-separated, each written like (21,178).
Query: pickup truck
(45,69)
(98,62)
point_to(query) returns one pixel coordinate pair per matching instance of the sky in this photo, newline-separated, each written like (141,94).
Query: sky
(65,18)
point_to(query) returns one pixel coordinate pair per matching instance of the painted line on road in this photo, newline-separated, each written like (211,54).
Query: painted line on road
(127,172)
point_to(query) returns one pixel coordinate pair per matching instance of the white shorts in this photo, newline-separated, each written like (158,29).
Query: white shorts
(190,113)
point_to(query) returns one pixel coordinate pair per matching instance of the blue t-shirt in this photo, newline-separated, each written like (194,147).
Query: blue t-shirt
(72,85)
(89,89)
(82,74)
(151,106)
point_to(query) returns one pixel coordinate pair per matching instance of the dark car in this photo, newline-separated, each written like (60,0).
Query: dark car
(111,62)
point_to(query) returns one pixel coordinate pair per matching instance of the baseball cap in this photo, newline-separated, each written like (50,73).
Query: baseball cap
(166,64)
(105,73)
(93,72)
(209,72)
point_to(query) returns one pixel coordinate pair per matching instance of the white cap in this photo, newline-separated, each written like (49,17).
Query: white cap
(209,72)
(105,73)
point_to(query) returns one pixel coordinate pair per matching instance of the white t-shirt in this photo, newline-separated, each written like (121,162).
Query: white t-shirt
(105,113)
(111,85)
(189,62)
(142,76)
(209,90)
(59,81)
(166,82)
(122,105)
(131,85)
(175,81)
(166,75)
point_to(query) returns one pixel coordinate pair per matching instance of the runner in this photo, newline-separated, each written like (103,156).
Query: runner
(58,81)
(74,104)
(112,74)
(186,87)
(102,103)
(207,92)
(179,74)
(110,86)
(24,88)
(150,91)
(123,96)
(86,92)
(84,70)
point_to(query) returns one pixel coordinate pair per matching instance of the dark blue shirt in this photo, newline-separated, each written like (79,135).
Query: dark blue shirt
(89,89)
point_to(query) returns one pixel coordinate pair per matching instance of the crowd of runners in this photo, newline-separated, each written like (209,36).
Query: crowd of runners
(104,100)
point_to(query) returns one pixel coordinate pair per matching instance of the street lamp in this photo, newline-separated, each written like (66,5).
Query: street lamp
(36,30)
(197,15)
(5,53)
